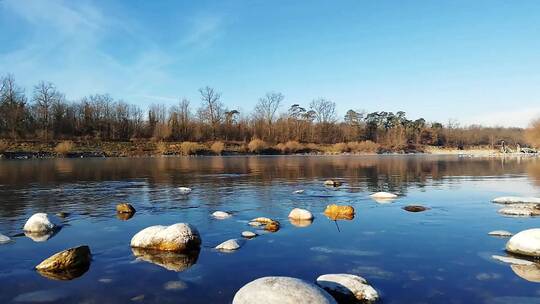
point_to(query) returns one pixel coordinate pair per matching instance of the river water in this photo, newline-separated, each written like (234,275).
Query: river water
(442,255)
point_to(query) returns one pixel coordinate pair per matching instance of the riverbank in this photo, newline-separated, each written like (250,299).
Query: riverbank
(82,149)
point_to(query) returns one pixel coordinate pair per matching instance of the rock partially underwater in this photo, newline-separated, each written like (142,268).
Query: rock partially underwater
(67,264)
(178,237)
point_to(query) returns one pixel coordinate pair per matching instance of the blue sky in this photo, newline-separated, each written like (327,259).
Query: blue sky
(472,61)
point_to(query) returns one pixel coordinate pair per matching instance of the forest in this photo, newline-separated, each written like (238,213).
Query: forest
(45,115)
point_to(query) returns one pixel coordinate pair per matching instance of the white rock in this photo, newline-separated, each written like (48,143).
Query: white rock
(510,260)
(516,200)
(502,233)
(230,245)
(283,290)
(383,195)
(39,223)
(4,239)
(249,234)
(184,190)
(526,242)
(521,210)
(298,191)
(255,224)
(300,214)
(221,215)
(177,237)
(348,284)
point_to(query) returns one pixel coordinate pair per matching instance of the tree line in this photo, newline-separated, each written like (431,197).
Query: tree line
(45,114)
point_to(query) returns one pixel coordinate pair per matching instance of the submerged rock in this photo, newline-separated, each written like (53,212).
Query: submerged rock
(169,260)
(526,242)
(62,214)
(124,216)
(332,183)
(516,200)
(66,265)
(283,290)
(521,210)
(39,223)
(300,214)
(348,288)
(230,245)
(125,208)
(501,233)
(178,237)
(4,239)
(300,223)
(269,224)
(272,226)
(511,260)
(383,195)
(336,212)
(298,191)
(530,273)
(415,208)
(221,215)
(184,190)
(249,234)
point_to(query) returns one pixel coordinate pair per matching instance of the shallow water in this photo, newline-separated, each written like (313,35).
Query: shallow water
(442,255)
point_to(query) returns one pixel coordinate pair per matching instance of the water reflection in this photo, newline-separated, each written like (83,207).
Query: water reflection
(301,223)
(42,236)
(530,273)
(65,275)
(169,260)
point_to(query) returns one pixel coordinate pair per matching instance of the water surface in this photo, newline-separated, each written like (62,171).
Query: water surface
(442,255)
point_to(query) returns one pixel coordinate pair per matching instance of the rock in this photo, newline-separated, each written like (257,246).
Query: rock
(184,190)
(383,195)
(39,223)
(511,260)
(169,260)
(178,237)
(298,191)
(516,200)
(249,234)
(415,208)
(300,223)
(4,239)
(262,220)
(521,210)
(335,212)
(124,216)
(66,265)
(40,236)
(300,214)
(526,242)
(530,273)
(283,290)
(255,224)
(272,226)
(125,208)
(230,245)
(347,287)
(332,183)
(501,233)
(62,214)
(221,215)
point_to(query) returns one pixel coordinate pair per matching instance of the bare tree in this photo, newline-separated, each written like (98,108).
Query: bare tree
(13,112)
(212,108)
(325,110)
(45,95)
(268,105)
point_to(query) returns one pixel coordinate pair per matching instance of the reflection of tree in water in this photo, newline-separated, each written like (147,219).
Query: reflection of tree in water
(94,185)
(533,170)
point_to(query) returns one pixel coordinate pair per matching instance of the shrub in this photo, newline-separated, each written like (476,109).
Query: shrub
(339,148)
(532,133)
(3,146)
(217,147)
(161,147)
(366,146)
(257,145)
(281,147)
(292,146)
(64,147)
(189,148)
(313,147)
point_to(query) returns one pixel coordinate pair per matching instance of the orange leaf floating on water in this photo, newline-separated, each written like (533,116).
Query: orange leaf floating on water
(336,212)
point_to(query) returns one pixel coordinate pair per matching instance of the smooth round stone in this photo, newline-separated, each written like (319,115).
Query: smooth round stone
(4,239)
(501,233)
(184,190)
(348,286)
(415,208)
(39,223)
(298,191)
(178,237)
(230,245)
(332,183)
(283,290)
(526,242)
(67,259)
(300,214)
(221,215)
(383,195)
(249,234)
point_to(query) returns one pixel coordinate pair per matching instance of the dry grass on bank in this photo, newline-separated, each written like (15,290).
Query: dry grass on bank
(257,146)
(64,147)
(217,147)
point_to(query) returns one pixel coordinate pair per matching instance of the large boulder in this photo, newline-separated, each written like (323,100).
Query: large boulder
(516,200)
(283,290)
(178,237)
(39,223)
(526,242)
(336,212)
(169,260)
(67,264)
(348,288)
(300,214)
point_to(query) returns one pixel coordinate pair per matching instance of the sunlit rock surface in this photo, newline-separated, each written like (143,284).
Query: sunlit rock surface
(516,200)
(335,212)
(347,287)
(177,237)
(39,223)
(221,215)
(67,264)
(526,242)
(230,245)
(125,208)
(283,290)
(300,214)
